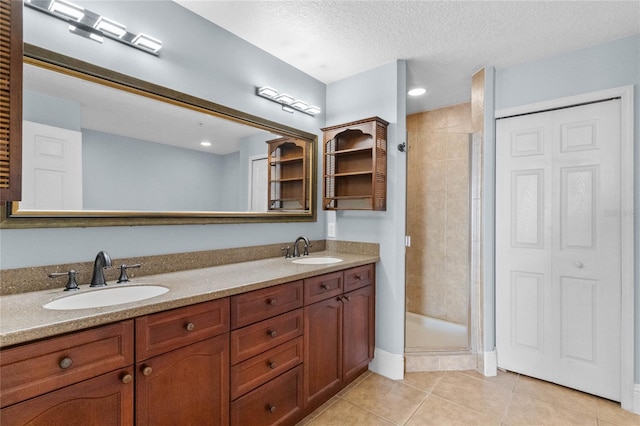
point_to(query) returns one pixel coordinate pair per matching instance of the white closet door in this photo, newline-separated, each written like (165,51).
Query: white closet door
(51,168)
(558,260)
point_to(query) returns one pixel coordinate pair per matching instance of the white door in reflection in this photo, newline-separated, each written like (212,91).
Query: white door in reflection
(258,184)
(51,168)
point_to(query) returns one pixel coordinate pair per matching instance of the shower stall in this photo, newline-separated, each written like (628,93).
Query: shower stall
(438,259)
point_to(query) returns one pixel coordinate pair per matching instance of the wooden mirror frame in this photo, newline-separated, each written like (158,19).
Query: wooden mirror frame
(11,218)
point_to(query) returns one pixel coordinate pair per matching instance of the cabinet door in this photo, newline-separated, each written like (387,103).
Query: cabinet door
(188,386)
(105,400)
(323,350)
(359,333)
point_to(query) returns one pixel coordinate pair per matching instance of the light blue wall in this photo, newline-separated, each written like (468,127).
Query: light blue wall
(123,173)
(379,92)
(49,110)
(606,66)
(198,58)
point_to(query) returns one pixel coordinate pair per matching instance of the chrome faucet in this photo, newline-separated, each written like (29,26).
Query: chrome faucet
(296,250)
(103,260)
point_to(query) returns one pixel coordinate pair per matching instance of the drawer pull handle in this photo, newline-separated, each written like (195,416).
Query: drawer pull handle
(358,277)
(272,302)
(190,326)
(324,286)
(271,408)
(272,365)
(127,378)
(347,297)
(65,363)
(146,371)
(272,333)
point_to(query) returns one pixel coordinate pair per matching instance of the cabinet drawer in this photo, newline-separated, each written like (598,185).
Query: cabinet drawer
(360,276)
(322,287)
(103,400)
(257,305)
(276,402)
(258,370)
(257,338)
(33,369)
(165,331)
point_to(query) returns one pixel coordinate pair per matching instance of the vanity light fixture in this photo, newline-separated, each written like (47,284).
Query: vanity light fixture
(288,102)
(93,26)
(66,9)
(86,32)
(147,42)
(112,27)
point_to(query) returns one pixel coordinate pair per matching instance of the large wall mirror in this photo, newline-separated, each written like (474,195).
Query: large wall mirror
(101,148)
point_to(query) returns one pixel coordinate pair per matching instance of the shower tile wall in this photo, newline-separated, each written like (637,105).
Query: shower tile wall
(438,213)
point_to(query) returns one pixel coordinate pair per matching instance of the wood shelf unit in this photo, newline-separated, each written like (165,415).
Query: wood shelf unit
(288,174)
(355,165)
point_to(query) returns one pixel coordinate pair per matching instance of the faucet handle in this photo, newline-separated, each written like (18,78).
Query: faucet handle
(306,249)
(124,278)
(286,249)
(72,284)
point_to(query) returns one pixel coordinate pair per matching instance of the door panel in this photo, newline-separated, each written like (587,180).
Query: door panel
(558,261)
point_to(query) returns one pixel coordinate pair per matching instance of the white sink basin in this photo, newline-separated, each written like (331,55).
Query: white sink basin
(106,297)
(317,260)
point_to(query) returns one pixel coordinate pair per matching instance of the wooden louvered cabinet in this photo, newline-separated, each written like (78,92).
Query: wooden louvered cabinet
(355,165)
(10,100)
(288,174)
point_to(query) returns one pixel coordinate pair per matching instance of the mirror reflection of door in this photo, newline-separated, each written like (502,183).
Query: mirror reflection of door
(52,167)
(258,184)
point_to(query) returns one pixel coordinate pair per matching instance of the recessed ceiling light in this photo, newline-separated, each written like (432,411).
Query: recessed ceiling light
(205,143)
(417,91)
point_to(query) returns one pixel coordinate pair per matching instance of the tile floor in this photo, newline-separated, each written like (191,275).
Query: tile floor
(465,398)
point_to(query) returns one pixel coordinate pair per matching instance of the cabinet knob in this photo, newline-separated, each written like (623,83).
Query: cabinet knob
(127,378)
(65,363)
(358,277)
(324,286)
(272,333)
(190,326)
(146,371)
(272,365)
(271,408)
(348,298)
(272,302)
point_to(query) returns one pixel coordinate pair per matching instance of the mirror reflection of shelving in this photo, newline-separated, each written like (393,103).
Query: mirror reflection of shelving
(288,174)
(355,163)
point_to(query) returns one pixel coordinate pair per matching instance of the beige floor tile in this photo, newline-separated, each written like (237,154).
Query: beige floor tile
(603,423)
(344,413)
(504,378)
(487,398)
(353,384)
(568,398)
(318,411)
(423,380)
(526,410)
(437,412)
(392,400)
(611,412)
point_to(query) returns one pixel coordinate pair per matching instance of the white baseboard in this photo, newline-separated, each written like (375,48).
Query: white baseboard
(636,398)
(387,364)
(490,364)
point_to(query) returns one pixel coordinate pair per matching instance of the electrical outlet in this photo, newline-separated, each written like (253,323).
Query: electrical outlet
(331,230)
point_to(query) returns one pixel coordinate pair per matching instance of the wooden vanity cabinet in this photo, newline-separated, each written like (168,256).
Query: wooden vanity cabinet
(182,366)
(266,356)
(339,331)
(355,165)
(81,378)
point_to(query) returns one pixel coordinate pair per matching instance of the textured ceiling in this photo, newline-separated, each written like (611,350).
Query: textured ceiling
(444,42)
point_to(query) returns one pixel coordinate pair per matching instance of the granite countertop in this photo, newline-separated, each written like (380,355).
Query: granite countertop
(22,317)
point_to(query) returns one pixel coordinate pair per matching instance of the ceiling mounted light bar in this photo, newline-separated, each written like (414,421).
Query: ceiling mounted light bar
(93,26)
(289,103)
